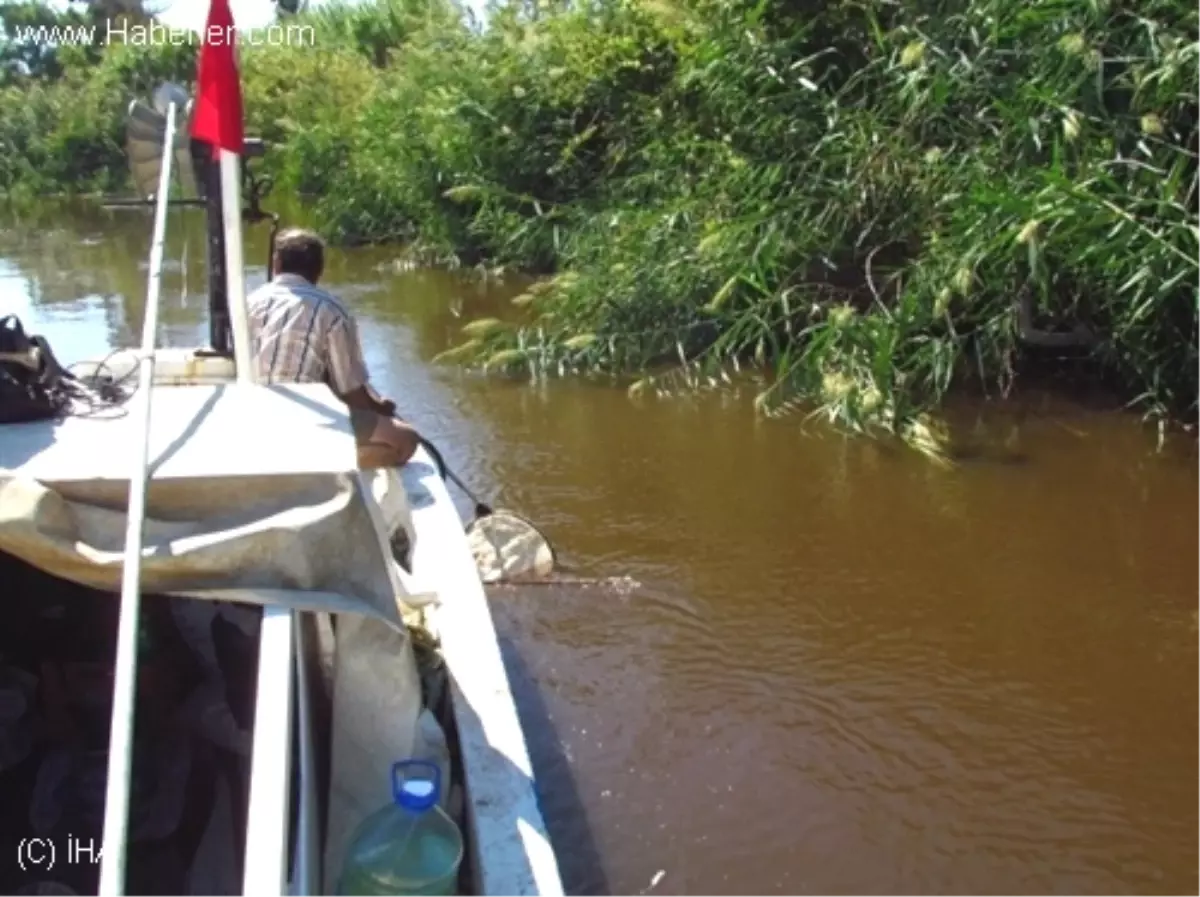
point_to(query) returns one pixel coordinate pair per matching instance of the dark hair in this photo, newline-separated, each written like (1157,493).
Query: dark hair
(299,251)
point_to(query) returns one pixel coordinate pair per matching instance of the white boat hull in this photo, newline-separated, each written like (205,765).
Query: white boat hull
(509,850)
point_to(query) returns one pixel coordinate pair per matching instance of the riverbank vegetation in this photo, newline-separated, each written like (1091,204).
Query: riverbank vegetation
(869,203)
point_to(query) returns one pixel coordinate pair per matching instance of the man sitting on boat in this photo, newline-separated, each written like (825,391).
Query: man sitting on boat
(302,333)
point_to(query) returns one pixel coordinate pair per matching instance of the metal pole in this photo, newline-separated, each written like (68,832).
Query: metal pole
(235,269)
(120,742)
(208,175)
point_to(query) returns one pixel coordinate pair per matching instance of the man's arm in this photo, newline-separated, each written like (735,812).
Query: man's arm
(348,376)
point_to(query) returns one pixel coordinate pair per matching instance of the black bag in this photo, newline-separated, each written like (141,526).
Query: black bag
(33,385)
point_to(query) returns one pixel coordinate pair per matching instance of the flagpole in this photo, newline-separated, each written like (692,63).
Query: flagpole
(235,275)
(217,121)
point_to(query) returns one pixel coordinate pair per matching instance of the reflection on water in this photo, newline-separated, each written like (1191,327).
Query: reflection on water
(844,670)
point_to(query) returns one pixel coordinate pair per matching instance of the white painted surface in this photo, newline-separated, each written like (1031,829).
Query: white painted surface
(235,270)
(513,853)
(172,367)
(270,760)
(226,430)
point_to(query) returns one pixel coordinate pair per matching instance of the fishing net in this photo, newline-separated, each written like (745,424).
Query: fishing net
(508,548)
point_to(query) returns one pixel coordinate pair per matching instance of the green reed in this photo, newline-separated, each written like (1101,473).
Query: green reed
(853,199)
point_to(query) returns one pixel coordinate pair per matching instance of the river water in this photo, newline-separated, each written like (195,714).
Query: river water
(831,667)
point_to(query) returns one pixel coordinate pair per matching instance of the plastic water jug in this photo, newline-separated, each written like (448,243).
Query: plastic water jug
(410,846)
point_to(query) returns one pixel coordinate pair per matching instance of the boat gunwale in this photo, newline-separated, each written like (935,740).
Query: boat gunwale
(510,846)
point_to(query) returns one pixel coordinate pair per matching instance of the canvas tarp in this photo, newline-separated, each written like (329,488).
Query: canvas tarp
(306,541)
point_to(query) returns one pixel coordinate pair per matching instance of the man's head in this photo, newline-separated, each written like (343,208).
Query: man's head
(299,251)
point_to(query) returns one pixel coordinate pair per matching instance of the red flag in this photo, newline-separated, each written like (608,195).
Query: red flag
(218,114)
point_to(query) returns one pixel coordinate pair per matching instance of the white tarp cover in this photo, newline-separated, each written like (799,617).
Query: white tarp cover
(308,539)
(377,708)
(253,487)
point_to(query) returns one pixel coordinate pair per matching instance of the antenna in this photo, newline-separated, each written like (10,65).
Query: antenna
(198,183)
(167,93)
(145,135)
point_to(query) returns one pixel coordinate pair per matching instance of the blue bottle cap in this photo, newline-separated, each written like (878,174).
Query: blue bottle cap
(416,784)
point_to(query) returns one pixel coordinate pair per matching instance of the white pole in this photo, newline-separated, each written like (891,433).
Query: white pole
(270,761)
(235,272)
(265,866)
(120,740)
(267,847)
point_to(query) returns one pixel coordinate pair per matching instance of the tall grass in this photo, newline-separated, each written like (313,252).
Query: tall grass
(857,199)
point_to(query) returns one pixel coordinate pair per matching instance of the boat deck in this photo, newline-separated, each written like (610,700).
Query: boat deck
(201,431)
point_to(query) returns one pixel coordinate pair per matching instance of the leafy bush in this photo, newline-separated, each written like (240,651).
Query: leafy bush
(868,203)
(67,134)
(873,202)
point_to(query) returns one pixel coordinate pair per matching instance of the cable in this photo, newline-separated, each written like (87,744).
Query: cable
(100,394)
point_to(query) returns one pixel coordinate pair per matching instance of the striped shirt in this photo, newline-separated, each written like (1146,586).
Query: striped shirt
(303,334)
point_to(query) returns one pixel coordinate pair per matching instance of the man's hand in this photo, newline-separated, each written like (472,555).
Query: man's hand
(383,406)
(368,399)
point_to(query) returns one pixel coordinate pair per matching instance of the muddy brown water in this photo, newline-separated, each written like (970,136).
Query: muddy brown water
(832,667)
